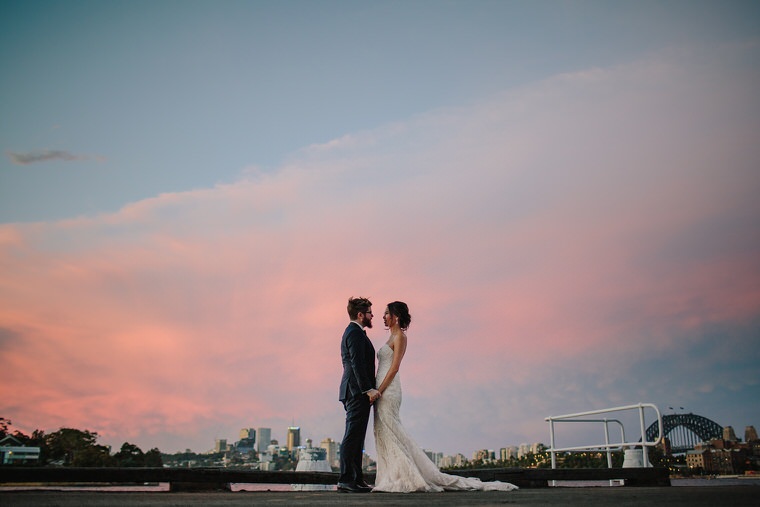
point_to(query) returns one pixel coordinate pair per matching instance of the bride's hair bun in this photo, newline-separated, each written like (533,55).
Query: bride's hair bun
(401,311)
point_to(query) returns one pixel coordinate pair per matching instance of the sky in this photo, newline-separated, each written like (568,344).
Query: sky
(564,193)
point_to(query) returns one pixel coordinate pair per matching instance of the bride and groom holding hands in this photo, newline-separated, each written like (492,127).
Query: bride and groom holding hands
(402,466)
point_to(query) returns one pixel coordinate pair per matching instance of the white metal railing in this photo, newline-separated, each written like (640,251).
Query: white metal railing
(609,447)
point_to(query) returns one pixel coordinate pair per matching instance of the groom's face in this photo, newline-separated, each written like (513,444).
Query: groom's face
(367,318)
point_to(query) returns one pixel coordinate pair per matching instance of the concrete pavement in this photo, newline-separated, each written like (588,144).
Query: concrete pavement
(686,496)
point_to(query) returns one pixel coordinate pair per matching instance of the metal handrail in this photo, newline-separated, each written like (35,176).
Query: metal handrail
(607,445)
(606,439)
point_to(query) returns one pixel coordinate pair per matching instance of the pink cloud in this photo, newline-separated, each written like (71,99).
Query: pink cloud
(573,219)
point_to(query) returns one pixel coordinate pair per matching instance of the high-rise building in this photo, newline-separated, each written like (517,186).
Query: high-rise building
(331,446)
(220,445)
(480,454)
(263,439)
(750,434)
(294,437)
(505,453)
(446,462)
(248,433)
(728,434)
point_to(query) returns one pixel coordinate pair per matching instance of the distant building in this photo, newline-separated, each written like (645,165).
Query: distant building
(728,434)
(294,438)
(367,462)
(331,448)
(12,452)
(446,462)
(480,455)
(245,445)
(728,461)
(263,438)
(507,453)
(248,433)
(720,456)
(695,459)
(750,434)
(220,445)
(435,457)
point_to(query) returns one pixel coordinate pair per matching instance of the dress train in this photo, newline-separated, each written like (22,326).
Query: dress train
(402,466)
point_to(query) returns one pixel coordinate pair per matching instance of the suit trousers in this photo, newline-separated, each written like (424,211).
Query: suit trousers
(352,446)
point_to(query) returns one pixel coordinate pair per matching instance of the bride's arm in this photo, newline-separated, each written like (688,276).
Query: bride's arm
(399,349)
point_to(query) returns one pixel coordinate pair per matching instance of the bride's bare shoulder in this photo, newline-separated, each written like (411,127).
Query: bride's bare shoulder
(395,340)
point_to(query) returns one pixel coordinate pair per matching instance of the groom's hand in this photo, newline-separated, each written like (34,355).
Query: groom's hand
(373,394)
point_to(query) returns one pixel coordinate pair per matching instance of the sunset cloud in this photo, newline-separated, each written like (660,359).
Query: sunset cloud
(564,246)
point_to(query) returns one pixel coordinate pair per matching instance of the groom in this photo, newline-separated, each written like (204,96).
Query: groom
(357,392)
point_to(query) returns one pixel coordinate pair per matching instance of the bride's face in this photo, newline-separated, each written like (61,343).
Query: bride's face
(387,319)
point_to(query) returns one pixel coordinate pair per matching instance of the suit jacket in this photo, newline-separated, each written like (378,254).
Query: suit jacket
(358,357)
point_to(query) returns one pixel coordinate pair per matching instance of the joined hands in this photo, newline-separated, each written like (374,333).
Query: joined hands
(374,395)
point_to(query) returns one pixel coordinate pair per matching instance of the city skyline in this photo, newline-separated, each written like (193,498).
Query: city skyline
(563,192)
(729,433)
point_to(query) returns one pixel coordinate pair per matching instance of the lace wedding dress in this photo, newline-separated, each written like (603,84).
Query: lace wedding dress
(402,466)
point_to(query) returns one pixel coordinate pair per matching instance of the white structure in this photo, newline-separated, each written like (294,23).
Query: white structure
(312,459)
(12,452)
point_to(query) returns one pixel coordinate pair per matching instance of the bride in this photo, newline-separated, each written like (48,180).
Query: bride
(402,466)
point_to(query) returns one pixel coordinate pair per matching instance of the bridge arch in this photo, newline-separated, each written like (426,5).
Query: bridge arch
(685,430)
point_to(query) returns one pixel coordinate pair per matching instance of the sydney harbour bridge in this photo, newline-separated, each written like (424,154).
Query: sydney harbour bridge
(685,431)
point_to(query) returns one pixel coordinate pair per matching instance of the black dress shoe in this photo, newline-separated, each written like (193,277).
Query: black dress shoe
(363,484)
(345,487)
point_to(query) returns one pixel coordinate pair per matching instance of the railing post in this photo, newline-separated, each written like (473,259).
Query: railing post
(607,443)
(644,453)
(551,443)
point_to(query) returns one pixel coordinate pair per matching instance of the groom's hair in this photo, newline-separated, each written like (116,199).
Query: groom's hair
(356,305)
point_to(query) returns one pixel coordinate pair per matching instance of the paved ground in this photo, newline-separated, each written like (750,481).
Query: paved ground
(696,496)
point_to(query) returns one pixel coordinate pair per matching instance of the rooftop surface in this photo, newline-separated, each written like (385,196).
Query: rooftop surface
(691,496)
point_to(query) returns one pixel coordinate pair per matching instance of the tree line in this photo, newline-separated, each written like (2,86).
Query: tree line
(77,448)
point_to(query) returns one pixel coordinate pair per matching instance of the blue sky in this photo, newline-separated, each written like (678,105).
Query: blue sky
(167,96)
(565,194)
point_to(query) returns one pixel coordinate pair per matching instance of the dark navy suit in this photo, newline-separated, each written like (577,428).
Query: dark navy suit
(358,356)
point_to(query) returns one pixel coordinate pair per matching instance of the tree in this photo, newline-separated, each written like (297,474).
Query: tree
(67,443)
(130,456)
(72,447)
(93,456)
(153,458)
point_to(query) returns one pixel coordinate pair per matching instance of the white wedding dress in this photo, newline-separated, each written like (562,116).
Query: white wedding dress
(402,466)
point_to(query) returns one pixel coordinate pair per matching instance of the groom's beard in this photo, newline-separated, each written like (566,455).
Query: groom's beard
(366,322)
